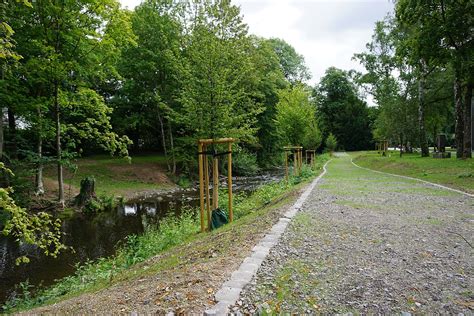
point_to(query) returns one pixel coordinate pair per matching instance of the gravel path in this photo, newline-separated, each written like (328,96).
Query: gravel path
(370,243)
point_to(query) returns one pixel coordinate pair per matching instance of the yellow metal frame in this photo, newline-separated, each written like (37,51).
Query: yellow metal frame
(204,192)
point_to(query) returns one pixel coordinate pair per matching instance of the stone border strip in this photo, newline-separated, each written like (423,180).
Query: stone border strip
(230,291)
(410,178)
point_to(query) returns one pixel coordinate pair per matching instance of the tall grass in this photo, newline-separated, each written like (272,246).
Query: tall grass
(170,232)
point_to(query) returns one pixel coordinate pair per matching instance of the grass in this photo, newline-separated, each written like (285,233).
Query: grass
(454,173)
(118,176)
(175,240)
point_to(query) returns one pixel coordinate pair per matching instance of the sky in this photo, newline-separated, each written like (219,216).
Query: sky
(326,32)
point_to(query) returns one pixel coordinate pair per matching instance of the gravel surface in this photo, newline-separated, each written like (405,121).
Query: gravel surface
(370,243)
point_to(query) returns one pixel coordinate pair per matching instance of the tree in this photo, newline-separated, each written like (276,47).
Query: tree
(269,81)
(341,112)
(296,118)
(331,143)
(151,77)
(7,54)
(61,47)
(391,82)
(440,33)
(292,63)
(217,99)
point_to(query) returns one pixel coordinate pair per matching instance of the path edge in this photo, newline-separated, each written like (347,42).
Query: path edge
(229,293)
(416,179)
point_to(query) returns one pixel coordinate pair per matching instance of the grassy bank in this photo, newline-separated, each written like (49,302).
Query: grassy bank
(175,243)
(116,176)
(454,173)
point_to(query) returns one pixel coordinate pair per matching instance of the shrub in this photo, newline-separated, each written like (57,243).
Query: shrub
(244,163)
(331,143)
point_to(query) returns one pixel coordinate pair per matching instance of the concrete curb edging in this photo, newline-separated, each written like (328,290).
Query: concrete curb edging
(410,178)
(229,293)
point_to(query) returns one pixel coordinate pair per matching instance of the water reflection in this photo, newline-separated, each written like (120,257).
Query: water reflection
(96,236)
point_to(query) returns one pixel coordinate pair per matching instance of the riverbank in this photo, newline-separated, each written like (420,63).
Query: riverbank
(454,173)
(114,176)
(171,268)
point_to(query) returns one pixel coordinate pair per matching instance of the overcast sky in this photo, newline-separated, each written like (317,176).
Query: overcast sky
(326,32)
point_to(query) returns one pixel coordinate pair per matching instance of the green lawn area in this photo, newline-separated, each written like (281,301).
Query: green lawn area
(117,176)
(454,173)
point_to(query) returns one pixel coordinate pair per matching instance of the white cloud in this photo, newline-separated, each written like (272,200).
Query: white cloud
(327,33)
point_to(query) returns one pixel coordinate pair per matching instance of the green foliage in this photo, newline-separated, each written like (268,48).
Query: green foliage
(340,110)
(292,64)
(331,143)
(102,203)
(184,181)
(40,229)
(296,118)
(171,231)
(88,121)
(218,97)
(244,163)
(438,37)
(268,69)
(395,95)
(66,72)
(7,44)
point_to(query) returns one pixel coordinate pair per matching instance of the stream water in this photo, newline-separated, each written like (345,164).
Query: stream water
(98,235)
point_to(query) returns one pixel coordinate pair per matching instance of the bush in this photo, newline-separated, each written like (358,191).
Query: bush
(100,204)
(244,163)
(184,182)
(331,143)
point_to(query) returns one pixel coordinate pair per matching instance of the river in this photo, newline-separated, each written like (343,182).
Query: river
(96,236)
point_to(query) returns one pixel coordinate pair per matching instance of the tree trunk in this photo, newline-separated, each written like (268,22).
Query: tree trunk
(425,152)
(468,121)
(459,129)
(163,140)
(12,133)
(87,192)
(401,145)
(173,171)
(58,147)
(39,171)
